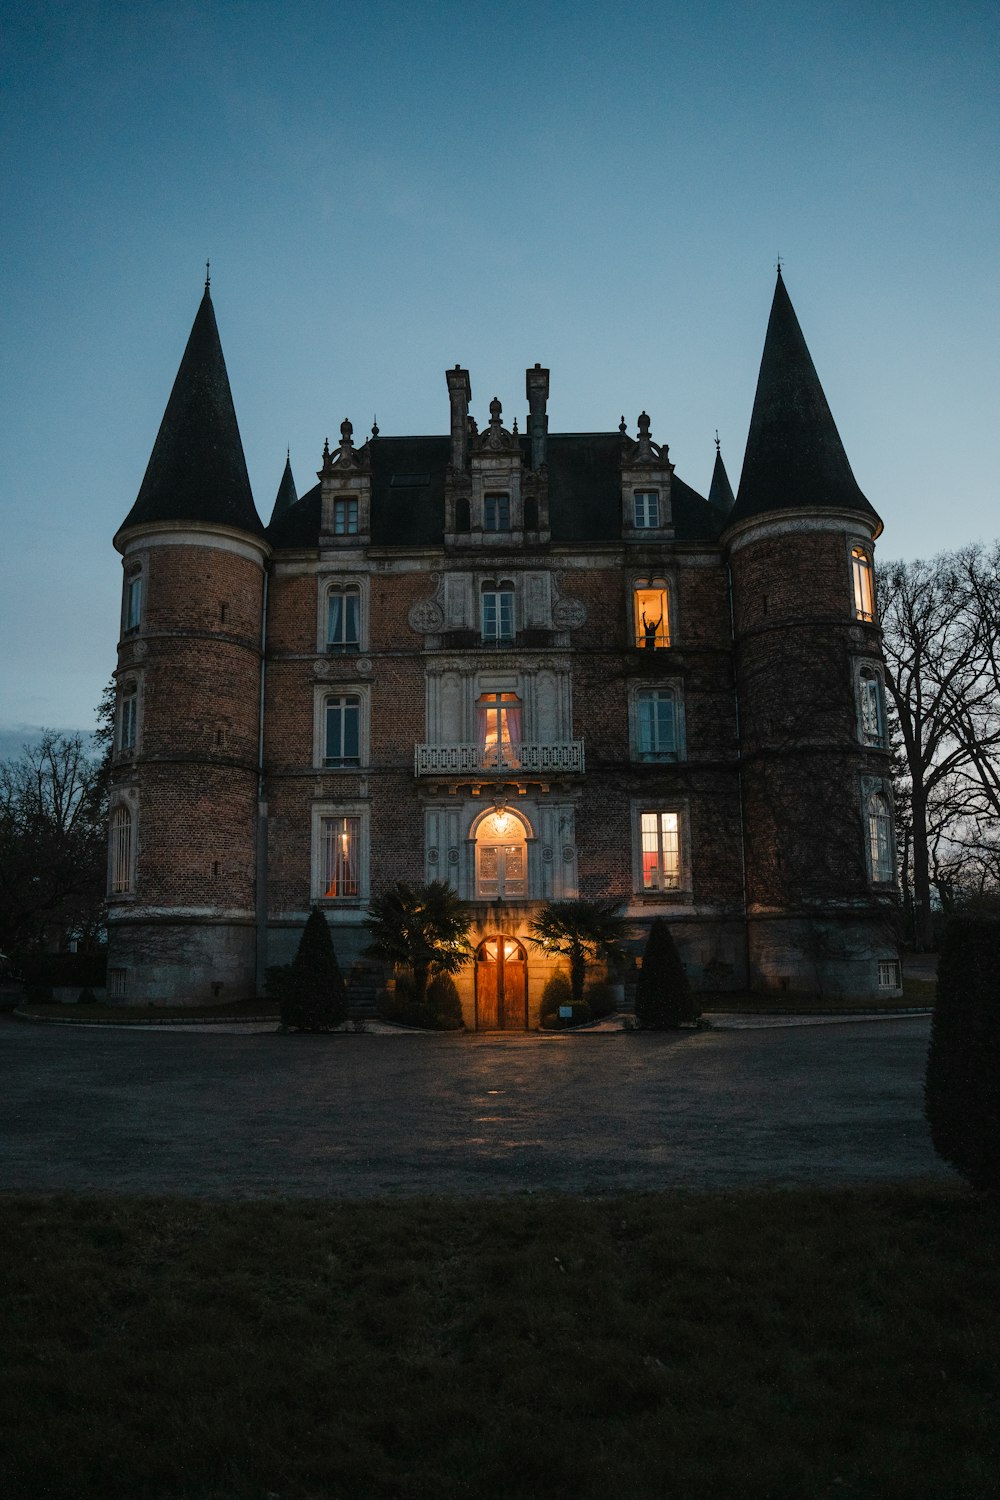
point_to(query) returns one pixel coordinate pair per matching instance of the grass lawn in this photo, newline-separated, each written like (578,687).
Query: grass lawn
(242,1010)
(789,1345)
(916,992)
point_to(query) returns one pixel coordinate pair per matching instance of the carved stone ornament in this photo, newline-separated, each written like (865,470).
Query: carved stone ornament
(569,614)
(365,666)
(426,616)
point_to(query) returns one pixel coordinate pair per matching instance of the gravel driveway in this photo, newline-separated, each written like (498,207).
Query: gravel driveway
(101,1110)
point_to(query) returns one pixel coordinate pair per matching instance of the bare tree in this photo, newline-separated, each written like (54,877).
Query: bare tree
(940,623)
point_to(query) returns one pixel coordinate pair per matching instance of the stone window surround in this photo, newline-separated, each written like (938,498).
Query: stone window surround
(860,666)
(329,808)
(673,685)
(681,807)
(332,583)
(321,692)
(872,786)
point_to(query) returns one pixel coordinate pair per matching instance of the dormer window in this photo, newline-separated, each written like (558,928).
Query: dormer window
(496,512)
(864,592)
(647,509)
(345,516)
(651,619)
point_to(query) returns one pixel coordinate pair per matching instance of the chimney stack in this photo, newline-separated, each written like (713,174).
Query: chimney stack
(536,388)
(459,394)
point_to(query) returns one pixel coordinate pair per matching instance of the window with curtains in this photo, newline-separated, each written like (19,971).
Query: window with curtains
(660,854)
(881,864)
(656,737)
(498,726)
(864,588)
(342,730)
(871,710)
(340,858)
(498,613)
(343,619)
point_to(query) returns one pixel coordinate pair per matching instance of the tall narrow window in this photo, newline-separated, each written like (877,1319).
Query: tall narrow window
(880,839)
(129,720)
(341,856)
(870,708)
(343,619)
(133,602)
(864,593)
(121,851)
(661,851)
(342,740)
(651,618)
(647,509)
(498,612)
(345,517)
(496,512)
(499,725)
(501,858)
(656,724)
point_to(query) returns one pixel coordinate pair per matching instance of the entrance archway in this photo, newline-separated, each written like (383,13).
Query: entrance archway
(501,985)
(501,856)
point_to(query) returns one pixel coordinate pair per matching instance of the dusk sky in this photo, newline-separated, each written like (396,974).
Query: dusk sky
(385,189)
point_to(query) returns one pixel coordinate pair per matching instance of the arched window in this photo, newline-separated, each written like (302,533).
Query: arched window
(501,857)
(343,618)
(871,713)
(498,613)
(880,840)
(121,851)
(864,590)
(342,730)
(651,616)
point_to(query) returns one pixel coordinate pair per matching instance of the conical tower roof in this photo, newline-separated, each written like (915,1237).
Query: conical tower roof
(197,471)
(794,456)
(287,494)
(720,493)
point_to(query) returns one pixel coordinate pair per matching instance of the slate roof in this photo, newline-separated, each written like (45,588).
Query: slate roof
(794,455)
(408,482)
(720,491)
(197,471)
(287,493)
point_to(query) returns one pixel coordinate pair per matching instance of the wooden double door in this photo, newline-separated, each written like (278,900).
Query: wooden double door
(501,985)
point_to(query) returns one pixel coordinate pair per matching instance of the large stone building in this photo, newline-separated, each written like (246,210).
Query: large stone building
(534,665)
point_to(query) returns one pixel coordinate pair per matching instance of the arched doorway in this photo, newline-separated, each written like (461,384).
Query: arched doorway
(501,857)
(501,985)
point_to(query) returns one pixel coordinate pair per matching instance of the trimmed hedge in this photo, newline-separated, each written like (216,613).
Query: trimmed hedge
(962,1087)
(663,996)
(441,1009)
(311,991)
(556,991)
(582,1013)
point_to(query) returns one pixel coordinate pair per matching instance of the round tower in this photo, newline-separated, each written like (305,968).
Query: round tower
(814,764)
(184,798)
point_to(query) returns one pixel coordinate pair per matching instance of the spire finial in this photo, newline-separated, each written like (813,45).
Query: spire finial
(374,425)
(622,426)
(208,274)
(778,267)
(717,440)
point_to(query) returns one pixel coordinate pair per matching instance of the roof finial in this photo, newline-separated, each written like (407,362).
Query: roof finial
(374,425)
(778,267)
(208,274)
(717,440)
(622,428)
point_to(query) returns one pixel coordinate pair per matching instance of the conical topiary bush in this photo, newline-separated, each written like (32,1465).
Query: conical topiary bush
(663,996)
(313,993)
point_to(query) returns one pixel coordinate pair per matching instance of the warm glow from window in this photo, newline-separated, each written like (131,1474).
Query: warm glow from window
(661,851)
(864,594)
(341,846)
(499,726)
(652,625)
(501,857)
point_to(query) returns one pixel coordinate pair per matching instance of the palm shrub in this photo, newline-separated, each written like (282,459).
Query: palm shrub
(555,992)
(312,992)
(582,930)
(423,927)
(663,995)
(439,1010)
(962,1087)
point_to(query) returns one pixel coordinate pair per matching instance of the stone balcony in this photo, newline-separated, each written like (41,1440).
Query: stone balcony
(509,762)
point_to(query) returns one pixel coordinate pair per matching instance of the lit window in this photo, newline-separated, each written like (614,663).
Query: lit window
(343,618)
(656,724)
(889,974)
(871,714)
(496,512)
(498,612)
(501,858)
(661,851)
(880,840)
(121,851)
(345,517)
(128,721)
(341,857)
(651,618)
(133,603)
(499,726)
(864,594)
(342,739)
(647,509)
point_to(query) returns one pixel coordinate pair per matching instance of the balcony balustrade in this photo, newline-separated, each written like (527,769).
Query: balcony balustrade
(564,759)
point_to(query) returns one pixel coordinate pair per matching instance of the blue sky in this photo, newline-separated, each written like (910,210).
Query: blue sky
(386,189)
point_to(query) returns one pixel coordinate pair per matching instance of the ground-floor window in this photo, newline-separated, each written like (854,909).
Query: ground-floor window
(661,850)
(341,855)
(888,974)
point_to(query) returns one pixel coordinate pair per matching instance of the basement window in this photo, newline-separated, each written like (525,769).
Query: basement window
(889,977)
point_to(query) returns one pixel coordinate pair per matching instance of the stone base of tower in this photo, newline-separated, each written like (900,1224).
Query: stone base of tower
(189,961)
(841,957)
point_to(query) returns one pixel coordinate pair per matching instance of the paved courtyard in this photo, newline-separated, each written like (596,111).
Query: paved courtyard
(125,1111)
